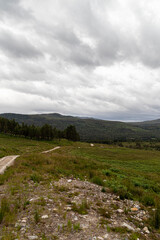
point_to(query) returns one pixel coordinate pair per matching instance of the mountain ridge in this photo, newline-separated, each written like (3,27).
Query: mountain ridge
(91,129)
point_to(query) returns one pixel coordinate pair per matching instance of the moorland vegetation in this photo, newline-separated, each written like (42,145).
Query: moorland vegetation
(131,173)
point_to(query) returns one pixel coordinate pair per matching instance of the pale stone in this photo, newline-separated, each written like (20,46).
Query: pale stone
(24,221)
(105,236)
(44,216)
(128,226)
(120,211)
(69,180)
(55,209)
(32,237)
(85,226)
(68,208)
(34,199)
(22,224)
(145,229)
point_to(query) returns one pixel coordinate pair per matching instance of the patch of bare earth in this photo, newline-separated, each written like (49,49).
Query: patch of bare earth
(78,210)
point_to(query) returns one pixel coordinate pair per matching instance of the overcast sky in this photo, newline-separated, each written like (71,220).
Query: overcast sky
(97,58)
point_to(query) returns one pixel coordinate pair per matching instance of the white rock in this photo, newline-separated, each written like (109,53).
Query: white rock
(84,226)
(145,229)
(44,216)
(76,218)
(115,223)
(69,180)
(100,238)
(128,226)
(68,208)
(23,229)
(22,224)
(105,236)
(32,237)
(120,211)
(34,199)
(24,221)
(55,209)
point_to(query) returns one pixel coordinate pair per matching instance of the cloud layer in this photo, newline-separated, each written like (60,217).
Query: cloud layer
(93,58)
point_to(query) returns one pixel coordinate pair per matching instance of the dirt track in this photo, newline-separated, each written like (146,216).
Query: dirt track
(9,160)
(51,150)
(6,162)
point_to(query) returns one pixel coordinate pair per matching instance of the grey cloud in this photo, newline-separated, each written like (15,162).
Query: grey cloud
(13,9)
(63,42)
(118,43)
(80,57)
(83,56)
(150,45)
(77,52)
(66,35)
(18,46)
(113,43)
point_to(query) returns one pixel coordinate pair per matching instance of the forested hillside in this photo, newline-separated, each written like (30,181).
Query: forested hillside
(45,132)
(91,129)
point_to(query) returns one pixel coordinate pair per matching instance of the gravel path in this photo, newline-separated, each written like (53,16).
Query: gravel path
(9,160)
(6,162)
(53,149)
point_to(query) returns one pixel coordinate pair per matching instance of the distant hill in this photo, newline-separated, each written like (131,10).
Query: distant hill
(93,129)
(151,122)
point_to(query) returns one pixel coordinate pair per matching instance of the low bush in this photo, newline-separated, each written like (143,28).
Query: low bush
(156,219)
(104,213)
(81,208)
(36,217)
(97,180)
(124,194)
(35,178)
(5,208)
(107,172)
(148,199)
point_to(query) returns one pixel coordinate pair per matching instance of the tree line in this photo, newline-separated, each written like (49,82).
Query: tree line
(46,132)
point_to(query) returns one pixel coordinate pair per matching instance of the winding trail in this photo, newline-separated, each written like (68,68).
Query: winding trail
(9,160)
(53,149)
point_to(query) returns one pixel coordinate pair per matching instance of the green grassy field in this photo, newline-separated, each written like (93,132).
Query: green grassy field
(131,173)
(10,145)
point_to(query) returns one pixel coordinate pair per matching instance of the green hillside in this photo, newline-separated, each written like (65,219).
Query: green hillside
(93,129)
(39,185)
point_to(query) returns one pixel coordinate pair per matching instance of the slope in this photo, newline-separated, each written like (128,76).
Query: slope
(89,129)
